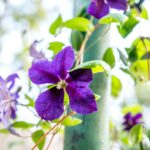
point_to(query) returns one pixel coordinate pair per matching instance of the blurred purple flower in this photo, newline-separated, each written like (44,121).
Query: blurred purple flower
(100,8)
(8,99)
(34,53)
(131,120)
(50,104)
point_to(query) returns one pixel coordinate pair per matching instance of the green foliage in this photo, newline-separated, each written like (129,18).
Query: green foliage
(22,125)
(56,46)
(30,100)
(4,131)
(113,18)
(134,109)
(123,58)
(116,86)
(128,26)
(135,134)
(77,38)
(109,57)
(36,136)
(56,25)
(96,66)
(97,97)
(71,121)
(79,24)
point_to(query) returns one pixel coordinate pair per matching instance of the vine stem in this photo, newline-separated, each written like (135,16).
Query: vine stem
(148,60)
(141,146)
(59,122)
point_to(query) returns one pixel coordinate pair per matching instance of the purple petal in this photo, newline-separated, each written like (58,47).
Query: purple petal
(118,4)
(98,8)
(49,104)
(63,62)
(80,77)
(82,100)
(34,53)
(11,79)
(42,72)
(137,116)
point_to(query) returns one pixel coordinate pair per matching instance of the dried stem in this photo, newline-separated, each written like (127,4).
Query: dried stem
(59,122)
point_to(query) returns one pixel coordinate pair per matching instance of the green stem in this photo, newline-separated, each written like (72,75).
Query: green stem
(141,146)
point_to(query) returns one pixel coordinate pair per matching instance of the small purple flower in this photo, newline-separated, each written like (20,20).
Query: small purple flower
(8,99)
(34,53)
(50,104)
(131,120)
(100,8)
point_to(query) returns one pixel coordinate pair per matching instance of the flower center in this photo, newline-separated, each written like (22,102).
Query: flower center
(61,84)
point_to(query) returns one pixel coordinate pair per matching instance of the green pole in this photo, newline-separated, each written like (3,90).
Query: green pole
(93,133)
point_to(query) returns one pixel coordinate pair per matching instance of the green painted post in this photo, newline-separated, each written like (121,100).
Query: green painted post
(92,134)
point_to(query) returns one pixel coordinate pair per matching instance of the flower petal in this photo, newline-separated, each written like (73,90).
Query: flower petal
(42,72)
(80,77)
(81,100)
(49,104)
(11,79)
(63,62)
(118,4)
(98,8)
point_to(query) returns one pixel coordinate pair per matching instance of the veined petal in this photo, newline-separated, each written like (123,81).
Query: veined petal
(81,100)
(63,62)
(11,79)
(49,104)
(42,72)
(98,8)
(118,4)
(80,78)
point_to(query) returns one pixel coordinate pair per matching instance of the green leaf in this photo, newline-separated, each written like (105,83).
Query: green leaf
(36,136)
(79,23)
(135,134)
(134,109)
(116,86)
(113,18)
(56,46)
(128,26)
(123,58)
(22,125)
(66,99)
(96,66)
(56,25)
(4,131)
(30,100)
(71,121)
(109,57)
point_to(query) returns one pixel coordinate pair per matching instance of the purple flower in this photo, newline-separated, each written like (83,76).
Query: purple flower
(131,120)
(8,99)
(34,53)
(100,8)
(50,104)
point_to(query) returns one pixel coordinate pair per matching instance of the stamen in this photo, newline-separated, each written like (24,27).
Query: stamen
(61,84)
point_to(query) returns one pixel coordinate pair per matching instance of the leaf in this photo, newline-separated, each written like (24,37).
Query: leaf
(113,18)
(36,136)
(66,99)
(96,66)
(71,121)
(135,134)
(109,57)
(122,57)
(56,46)
(128,26)
(22,124)
(116,86)
(79,23)
(134,109)
(56,25)
(4,131)
(30,100)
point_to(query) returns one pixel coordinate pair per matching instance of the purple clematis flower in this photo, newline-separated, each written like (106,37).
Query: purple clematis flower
(34,53)
(8,99)
(131,120)
(50,104)
(100,8)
